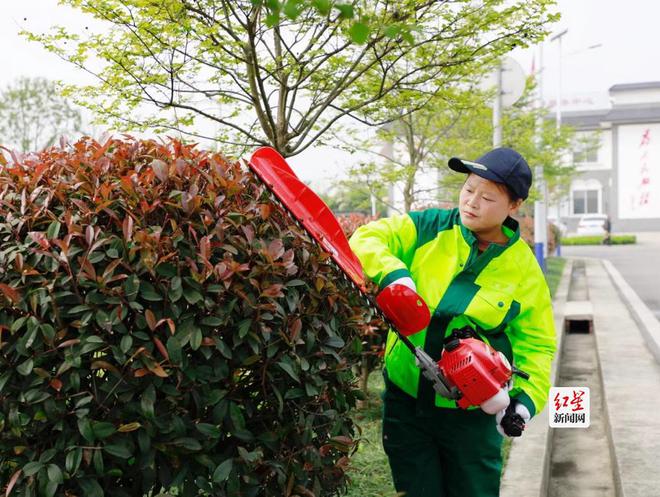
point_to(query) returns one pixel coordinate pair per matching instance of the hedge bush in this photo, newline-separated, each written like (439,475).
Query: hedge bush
(598,240)
(163,327)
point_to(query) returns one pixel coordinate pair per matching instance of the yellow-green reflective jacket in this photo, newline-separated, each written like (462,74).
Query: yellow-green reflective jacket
(502,294)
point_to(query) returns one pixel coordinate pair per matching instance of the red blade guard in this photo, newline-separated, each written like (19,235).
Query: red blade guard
(407,310)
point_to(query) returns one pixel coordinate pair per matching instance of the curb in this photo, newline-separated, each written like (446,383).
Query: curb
(528,468)
(647,322)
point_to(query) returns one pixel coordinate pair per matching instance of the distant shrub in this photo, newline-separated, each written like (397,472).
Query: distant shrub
(598,240)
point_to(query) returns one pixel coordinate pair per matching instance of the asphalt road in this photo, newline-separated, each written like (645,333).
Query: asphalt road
(639,264)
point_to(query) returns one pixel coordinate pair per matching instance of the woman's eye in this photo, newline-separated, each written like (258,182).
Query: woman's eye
(488,199)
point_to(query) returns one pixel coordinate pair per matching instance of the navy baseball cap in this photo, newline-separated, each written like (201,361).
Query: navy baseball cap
(502,165)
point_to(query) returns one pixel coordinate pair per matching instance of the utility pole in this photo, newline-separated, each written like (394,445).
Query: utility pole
(497,109)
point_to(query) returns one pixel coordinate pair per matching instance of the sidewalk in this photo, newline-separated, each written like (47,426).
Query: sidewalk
(625,337)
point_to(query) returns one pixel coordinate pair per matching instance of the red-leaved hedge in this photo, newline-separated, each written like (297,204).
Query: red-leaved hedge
(163,327)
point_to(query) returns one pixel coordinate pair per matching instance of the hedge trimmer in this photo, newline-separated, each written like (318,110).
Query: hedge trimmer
(469,370)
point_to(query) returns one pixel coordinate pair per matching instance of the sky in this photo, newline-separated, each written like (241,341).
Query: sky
(627,34)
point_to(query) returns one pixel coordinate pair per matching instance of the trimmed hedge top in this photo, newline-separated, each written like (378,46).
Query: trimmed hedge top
(163,326)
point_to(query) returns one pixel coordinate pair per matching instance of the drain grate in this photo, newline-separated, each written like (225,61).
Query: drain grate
(583,326)
(579,317)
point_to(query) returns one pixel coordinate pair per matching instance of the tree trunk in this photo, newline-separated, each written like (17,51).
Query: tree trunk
(364,382)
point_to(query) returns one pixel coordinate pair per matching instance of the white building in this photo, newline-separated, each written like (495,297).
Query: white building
(620,166)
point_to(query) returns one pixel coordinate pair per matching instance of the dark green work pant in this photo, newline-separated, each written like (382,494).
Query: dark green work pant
(442,453)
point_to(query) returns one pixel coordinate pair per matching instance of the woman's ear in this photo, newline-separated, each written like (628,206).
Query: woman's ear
(514,206)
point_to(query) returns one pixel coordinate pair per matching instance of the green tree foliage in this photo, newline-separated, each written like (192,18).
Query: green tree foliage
(164,326)
(33,115)
(350,196)
(284,73)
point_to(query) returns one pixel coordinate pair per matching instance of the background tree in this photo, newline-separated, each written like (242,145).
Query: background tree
(350,196)
(460,124)
(260,78)
(33,114)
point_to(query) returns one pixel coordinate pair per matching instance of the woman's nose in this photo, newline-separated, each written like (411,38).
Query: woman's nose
(472,202)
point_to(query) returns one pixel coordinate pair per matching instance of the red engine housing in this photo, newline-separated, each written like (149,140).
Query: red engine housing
(475,368)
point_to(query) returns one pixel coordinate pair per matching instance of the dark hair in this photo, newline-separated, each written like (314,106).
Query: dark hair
(510,193)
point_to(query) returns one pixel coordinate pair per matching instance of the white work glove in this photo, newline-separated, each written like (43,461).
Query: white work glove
(406,281)
(512,420)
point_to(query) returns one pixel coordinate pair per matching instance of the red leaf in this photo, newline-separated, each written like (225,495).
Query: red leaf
(294,329)
(68,343)
(11,293)
(56,384)
(160,170)
(273,291)
(127,228)
(161,348)
(265,210)
(40,238)
(276,249)
(12,482)
(205,248)
(151,319)
(89,234)
(156,369)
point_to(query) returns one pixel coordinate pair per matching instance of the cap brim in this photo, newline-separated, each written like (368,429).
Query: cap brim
(459,166)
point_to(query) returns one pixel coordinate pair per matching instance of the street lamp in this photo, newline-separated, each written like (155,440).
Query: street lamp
(558,37)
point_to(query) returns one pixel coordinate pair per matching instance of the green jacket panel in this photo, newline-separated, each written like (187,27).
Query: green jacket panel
(502,294)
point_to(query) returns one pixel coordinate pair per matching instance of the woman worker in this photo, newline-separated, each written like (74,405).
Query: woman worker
(471,267)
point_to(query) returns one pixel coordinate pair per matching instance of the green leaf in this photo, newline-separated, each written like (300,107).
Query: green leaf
(118,450)
(147,401)
(244,327)
(97,461)
(103,429)
(32,468)
(236,416)
(55,474)
(148,292)
(85,429)
(223,348)
(345,10)
(91,488)
(25,368)
(392,31)
(221,473)
(196,338)
(335,342)
(191,295)
(126,343)
(4,379)
(272,19)
(53,230)
(323,6)
(49,489)
(174,349)
(359,33)
(73,460)
(188,443)
(209,430)
(289,370)
(292,9)
(311,390)
(47,455)
(213,321)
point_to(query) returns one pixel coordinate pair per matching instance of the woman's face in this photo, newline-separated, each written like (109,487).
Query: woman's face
(484,205)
